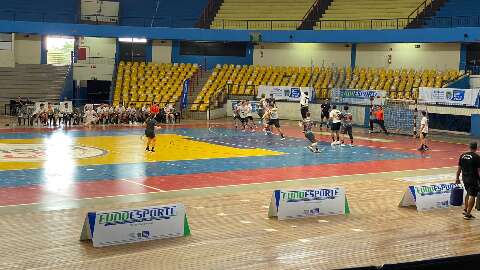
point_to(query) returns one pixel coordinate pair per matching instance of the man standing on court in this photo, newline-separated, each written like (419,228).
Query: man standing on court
(304,99)
(469,166)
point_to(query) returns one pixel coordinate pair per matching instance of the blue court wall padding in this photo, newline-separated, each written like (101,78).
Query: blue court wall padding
(475,130)
(449,122)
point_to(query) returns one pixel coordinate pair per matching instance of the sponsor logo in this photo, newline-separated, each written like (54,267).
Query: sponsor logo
(435,189)
(136,216)
(295,93)
(310,195)
(38,152)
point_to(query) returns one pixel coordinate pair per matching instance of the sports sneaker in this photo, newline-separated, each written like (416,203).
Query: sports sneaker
(464,212)
(338,143)
(311,148)
(343,145)
(468,217)
(282,139)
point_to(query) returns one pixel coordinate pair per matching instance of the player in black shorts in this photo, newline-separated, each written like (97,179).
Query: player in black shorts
(274,121)
(469,166)
(325,113)
(150,124)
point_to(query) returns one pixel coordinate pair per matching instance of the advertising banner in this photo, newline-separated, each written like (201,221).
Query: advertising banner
(135,225)
(287,93)
(358,97)
(448,96)
(291,204)
(427,197)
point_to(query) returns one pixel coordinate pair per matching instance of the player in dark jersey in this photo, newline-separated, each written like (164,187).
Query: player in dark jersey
(325,113)
(308,124)
(150,125)
(347,120)
(469,166)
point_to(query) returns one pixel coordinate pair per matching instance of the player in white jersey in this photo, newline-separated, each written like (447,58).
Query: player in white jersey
(236,113)
(273,120)
(423,132)
(243,112)
(250,121)
(336,123)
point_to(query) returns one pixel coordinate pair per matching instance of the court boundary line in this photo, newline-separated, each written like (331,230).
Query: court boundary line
(143,185)
(224,186)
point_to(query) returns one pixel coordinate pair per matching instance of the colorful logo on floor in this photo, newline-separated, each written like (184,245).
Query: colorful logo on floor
(39,152)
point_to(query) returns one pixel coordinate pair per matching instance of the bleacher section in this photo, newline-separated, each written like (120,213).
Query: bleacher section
(456,13)
(357,14)
(261,14)
(141,83)
(35,82)
(244,80)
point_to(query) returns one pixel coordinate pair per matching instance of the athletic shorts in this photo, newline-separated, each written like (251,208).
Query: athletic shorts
(303,111)
(336,126)
(243,120)
(424,134)
(274,122)
(260,113)
(149,134)
(236,116)
(325,114)
(250,118)
(472,189)
(347,130)
(310,136)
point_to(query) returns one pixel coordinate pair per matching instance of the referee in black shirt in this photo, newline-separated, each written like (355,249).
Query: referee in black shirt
(469,166)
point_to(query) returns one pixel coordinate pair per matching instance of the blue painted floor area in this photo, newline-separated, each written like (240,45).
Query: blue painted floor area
(295,155)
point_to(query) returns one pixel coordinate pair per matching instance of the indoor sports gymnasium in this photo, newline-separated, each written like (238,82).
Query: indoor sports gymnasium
(239,134)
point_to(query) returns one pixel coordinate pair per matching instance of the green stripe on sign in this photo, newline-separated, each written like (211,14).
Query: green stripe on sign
(186,227)
(347,209)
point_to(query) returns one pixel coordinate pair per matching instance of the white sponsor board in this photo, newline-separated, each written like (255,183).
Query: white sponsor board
(448,96)
(135,225)
(289,93)
(358,97)
(428,197)
(290,204)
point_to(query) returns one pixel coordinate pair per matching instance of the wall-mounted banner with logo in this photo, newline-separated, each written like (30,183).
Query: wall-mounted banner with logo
(448,96)
(428,197)
(288,93)
(358,97)
(291,204)
(135,225)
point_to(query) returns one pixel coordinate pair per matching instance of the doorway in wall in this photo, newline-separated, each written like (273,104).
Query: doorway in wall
(473,58)
(133,49)
(59,50)
(98,91)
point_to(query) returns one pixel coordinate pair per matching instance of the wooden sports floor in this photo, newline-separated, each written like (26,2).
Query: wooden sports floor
(225,179)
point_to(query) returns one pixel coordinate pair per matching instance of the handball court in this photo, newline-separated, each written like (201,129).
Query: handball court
(49,180)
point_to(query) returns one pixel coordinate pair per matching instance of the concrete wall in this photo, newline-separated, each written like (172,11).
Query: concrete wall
(28,49)
(162,51)
(405,55)
(301,54)
(7,50)
(100,61)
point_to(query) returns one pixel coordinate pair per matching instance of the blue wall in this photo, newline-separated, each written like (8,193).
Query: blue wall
(211,61)
(177,13)
(158,33)
(464,11)
(40,10)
